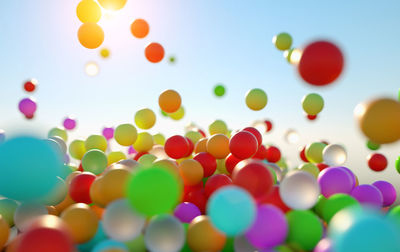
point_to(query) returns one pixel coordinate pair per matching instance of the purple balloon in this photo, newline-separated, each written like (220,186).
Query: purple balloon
(388,192)
(27,106)
(269,229)
(368,195)
(324,245)
(108,133)
(186,212)
(69,123)
(131,150)
(353,177)
(335,180)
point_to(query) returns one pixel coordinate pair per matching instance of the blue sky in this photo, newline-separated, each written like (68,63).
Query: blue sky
(214,41)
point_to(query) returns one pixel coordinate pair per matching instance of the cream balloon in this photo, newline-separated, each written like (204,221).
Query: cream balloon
(334,155)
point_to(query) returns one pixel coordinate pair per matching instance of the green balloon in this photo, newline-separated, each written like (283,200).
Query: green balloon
(137,244)
(219,90)
(373,146)
(229,245)
(305,229)
(397,164)
(282,41)
(337,202)
(7,210)
(283,248)
(312,103)
(273,173)
(58,132)
(172,59)
(163,113)
(153,190)
(318,208)
(394,215)
(94,161)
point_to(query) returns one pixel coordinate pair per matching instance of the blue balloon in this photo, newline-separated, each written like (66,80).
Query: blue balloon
(110,244)
(232,210)
(97,238)
(28,168)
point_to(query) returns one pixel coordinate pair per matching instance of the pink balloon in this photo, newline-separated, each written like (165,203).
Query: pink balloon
(27,106)
(108,133)
(69,123)
(335,180)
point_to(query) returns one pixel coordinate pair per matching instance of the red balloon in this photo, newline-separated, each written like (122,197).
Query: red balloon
(139,155)
(377,162)
(30,86)
(47,233)
(322,166)
(215,182)
(255,177)
(177,147)
(273,154)
(154,52)
(79,189)
(261,153)
(188,189)
(80,168)
(191,147)
(321,63)
(230,162)
(243,145)
(208,162)
(274,198)
(256,133)
(269,125)
(202,132)
(303,155)
(199,198)
(311,117)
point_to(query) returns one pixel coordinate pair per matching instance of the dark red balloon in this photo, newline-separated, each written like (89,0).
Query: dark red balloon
(256,133)
(80,168)
(187,189)
(208,162)
(191,147)
(322,166)
(215,182)
(303,155)
(230,162)
(79,189)
(243,145)
(273,154)
(199,198)
(274,198)
(202,132)
(30,86)
(176,147)
(377,162)
(321,63)
(311,117)
(269,125)
(261,153)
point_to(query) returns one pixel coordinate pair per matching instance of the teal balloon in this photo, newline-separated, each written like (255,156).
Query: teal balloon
(232,210)
(97,238)
(28,168)
(94,161)
(109,245)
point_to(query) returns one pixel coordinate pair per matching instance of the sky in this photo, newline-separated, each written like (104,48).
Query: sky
(214,42)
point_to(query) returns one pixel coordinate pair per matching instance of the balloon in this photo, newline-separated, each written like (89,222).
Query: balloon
(90,35)
(27,212)
(57,195)
(112,5)
(105,53)
(77,149)
(114,157)
(145,118)
(270,227)
(110,246)
(113,184)
(94,161)
(125,134)
(377,119)
(203,236)
(218,146)
(164,233)
(96,142)
(335,180)
(88,11)
(336,203)
(241,244)
(282,41)
(153,190)
(140,28)
(92,69)
(186,212)
(292,136)
(253,176)
(159,139)
(29,168)
(256,133)
(177,115)
(397,164)
(334,155)
(4,232)
(302,154)
(201,146)
(69,123)
(231,210)
(58,132)
(230,162)
(299,190)
(373,146)
(243,145)
(154,53)
(191,171)
(194,136)
(177,147)
(169,101)
(147,160)
(215,182)
(121,222)
(394,215)
(310,168)
(312,104)
(7,210)
(27,106)
(218,127)
(305,229)
(79,189)
(208,162)
(377,162)
(219,90)
(293,55)
(30,85)
(172,59)
(368,195)
(314,152)
(321,63)
(273,154)
(256,99)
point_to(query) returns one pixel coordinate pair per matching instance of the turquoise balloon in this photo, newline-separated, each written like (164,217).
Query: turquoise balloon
(97,238)
(232,210)
(28,168)
(110,245)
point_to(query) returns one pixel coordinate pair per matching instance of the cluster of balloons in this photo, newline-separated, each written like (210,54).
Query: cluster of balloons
(28,106)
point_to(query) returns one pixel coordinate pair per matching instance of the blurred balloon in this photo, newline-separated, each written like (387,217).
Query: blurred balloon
(219,90)
(178,115)
(314,152)
(4,232)
(293,55)
(336,203)
(114,157)
(397,164)
(334,155)
(186,212)
(98,142)
(368,195)
(140,28)
(256,99)
(145,118)
(241,244)
(88,11)
(282,41)
(243,145)
(273,154)
(292,136)
(112,5)
(90,35)
(208,162)
(92,69)
(57,195)
(94,161)
(27,212)
(373,146)
(177,147)
(203,236)
(27,106)
(324,245)
(377,162)
(218,127)
(113,184)
(79,189)
(388,192)
(312,103)
(30,85)
(169,101)
(105,53)
(218,146)
(310,168)
(191,171)
(125,134)
(77,149)
(69,123)
(7,210)
(108,132)
(154,53)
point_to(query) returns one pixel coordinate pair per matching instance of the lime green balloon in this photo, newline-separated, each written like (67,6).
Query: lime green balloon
(394,215)
(318,208)
(194,136)
(397,164)
(77,149)
(96,142)
(178,115)
(314,152)
(219,90)
(137,244)
(94,161)
(145,118)
(159,139)
(282,41)
(229,244)
(305,229)
(125,134)
(153,191)
(218,127)
(58,132)
(310,168)
(256,99)
(283,248)
(312,104)
(337,202)
(7,210)
(147,160)
(373,146)
(165,114)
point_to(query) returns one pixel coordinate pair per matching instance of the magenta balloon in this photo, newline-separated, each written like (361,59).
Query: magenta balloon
(270,227)
(350,172)
(108,133)
(69,123)
(388,192)
(324,245)
(186,212)
(335,180)
(131,150)
(368,195)
(27,106)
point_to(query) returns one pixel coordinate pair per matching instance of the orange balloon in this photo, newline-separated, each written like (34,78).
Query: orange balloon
(90,35)
(140,28)
(64,204)
(113,185)
(201,146)
(82,222)
(99,211)
(203,236)
(170,101)
(95,193)
(154,53)
(4,232)
(191,171)
(218,146)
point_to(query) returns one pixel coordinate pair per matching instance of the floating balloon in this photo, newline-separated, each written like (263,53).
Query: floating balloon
(112,5)
(114,157)
(208,162)
(218,146)
(159,139)
(140,28)
(256,99)
(243,145)
(314,151)
(310,168)
(169,101)
(98,142)
(27,106)
(368,195)
(186,212)
(293,55)
(178,115)
(388,192)
(334,155)
(79,189)
(282,41)
(273,154)
(30,85)
(92,69)
(218,127)
(377,162)
(177,147)
(312,104)
(203,236)
(215,182)
(154,52)
(7,210)
(336,203)
(373,146)
(90,35)
(335,180)
(291,136)
(69,123)
(191,172)
(219,90)
(88,11)
(94,161)
(57,195)
(112,185)
(77,149)
(125,134)
(105,53)
(145,118)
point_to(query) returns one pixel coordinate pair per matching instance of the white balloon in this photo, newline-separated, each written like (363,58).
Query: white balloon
(334,155)
(291,136)
(299,190)
(26,213)
(61,143)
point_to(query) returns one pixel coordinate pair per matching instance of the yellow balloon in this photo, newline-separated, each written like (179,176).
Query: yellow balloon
(77,149)
(218,127)
(4,232)
(203,236)
(256,99)
(96,142)
(194,136)
(201,146)
(310,168)
(145,118)
(159,139)
(96,194)
(58,132)
(90,35)
(115,156)
(314,152)
(125,134)
(112,4)
(147,160)
(178,115)
(112,186)
(88,11)
(191,171)
(144,142)
(379,120)
(105,53)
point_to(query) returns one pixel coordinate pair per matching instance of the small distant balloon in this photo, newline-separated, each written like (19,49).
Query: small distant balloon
(292,136)
(105,53)
(90,35)
(373,146)
(108,132)
(92,69)
(172,59)
(140,28)
(69,123)
(312,117)
(154,52)
(256,99)
(282,41)
(293,55)
(312,104)
(27,106)
(219,90)
(30,85)
(377,162)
